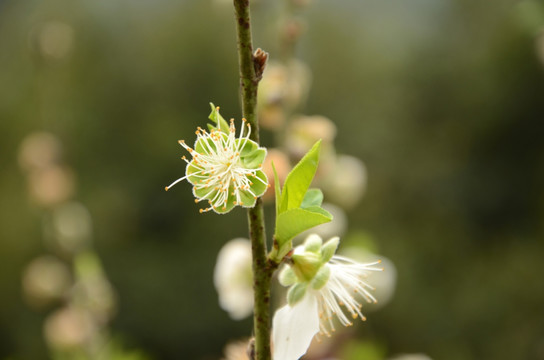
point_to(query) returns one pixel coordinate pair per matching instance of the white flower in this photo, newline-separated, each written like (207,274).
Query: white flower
(233,278)
(225,170)
(323,286)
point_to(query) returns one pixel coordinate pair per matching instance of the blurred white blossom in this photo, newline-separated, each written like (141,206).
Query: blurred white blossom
(345,182)
(384,282)
(233,278)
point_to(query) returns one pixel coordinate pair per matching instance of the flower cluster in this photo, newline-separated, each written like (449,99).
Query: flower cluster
(225,170)
(322,285)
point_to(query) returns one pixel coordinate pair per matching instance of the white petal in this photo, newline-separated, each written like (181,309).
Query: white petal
(294,328)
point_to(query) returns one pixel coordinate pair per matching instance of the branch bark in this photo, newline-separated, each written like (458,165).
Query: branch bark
(251,67)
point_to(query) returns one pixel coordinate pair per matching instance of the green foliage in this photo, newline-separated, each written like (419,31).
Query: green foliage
(313,197)
(299,179)
(297,208)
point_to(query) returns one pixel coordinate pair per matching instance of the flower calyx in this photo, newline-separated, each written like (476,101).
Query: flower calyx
(306,267)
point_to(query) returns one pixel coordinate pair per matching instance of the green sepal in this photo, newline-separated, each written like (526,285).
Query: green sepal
(209,193)
(320,278)
(259,187)
(200,144)
(247,199)
(220,123)
(190,170)
(329,249)
(299,179)
(253,159)
(313,197)
(296,293)
(287,276)
(227,207)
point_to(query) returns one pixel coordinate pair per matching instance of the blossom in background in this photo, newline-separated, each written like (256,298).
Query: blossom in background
(237,350)
(321,283)
(225,170)
(345,183)
(233,278)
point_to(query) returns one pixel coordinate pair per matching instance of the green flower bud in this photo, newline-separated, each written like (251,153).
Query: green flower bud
(306,265)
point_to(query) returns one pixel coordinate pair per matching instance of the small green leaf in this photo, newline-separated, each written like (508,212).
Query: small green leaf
(294,221)
(283,202)
(313,197)
(299,179)
(277,190)
(220,123)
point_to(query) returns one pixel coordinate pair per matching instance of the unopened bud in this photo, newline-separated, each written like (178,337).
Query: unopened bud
(306,265)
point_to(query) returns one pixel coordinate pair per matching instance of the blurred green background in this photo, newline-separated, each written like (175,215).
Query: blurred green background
(442,99)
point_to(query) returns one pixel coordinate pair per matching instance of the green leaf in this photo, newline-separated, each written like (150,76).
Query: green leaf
(292,222)
(313,197)
(299,179)
(277,190)
(221,123)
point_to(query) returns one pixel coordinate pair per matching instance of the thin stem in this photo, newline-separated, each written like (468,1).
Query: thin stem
(262,272)
(248,81)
